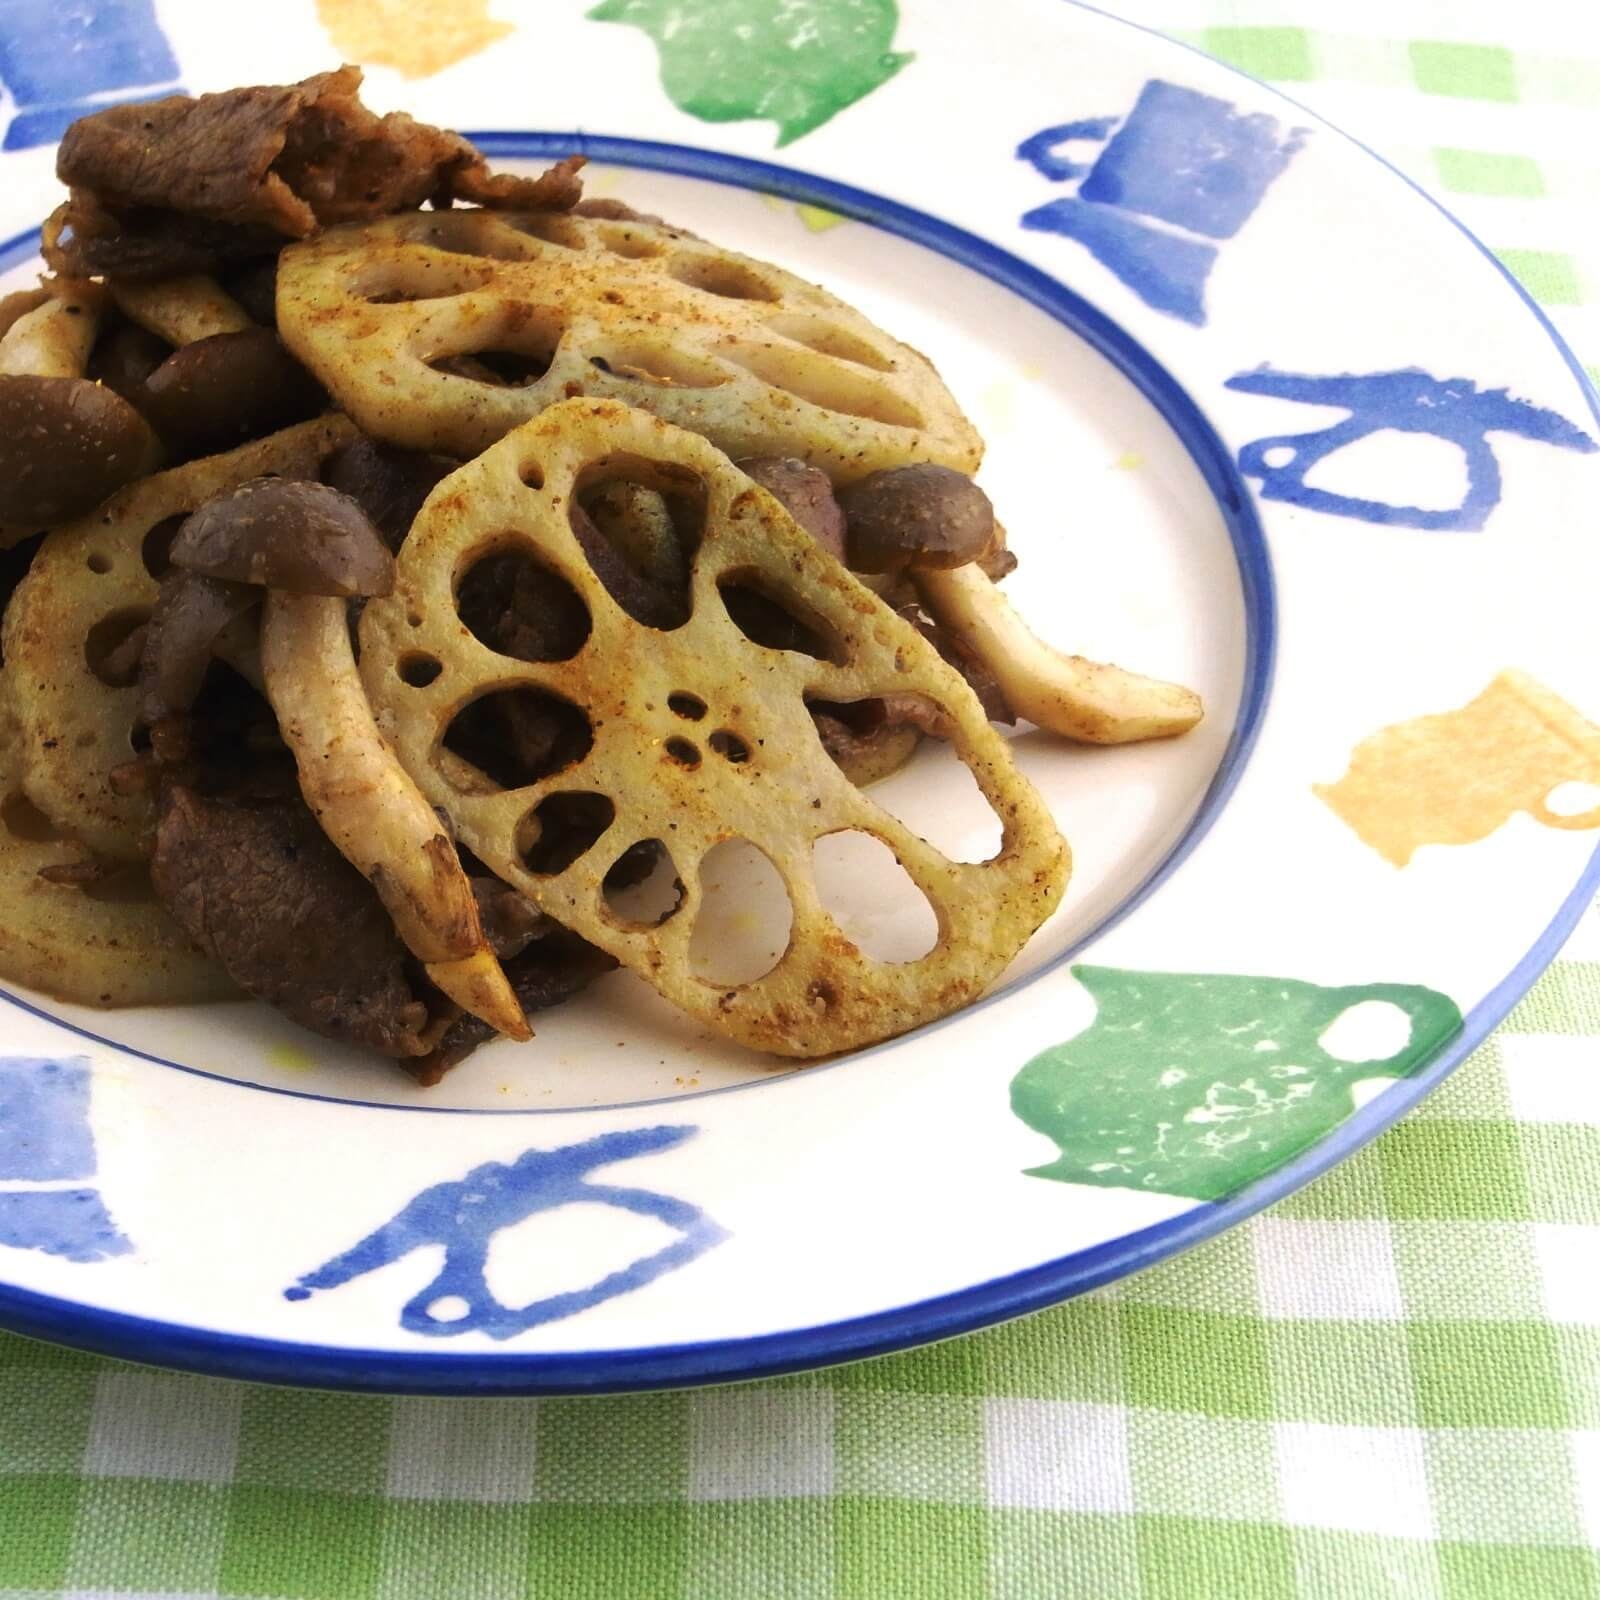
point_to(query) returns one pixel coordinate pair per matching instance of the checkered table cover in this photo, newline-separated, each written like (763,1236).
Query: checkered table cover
(1389,1385)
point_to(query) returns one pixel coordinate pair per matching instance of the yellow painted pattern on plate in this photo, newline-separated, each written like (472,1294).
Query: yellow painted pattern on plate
(416,37)
(1456,777)
(817,219)
(290,1057)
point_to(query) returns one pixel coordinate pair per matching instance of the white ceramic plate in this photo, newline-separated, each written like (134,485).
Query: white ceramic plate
(1260,418)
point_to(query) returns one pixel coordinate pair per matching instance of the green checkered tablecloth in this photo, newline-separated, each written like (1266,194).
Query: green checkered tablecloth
(1387,1386)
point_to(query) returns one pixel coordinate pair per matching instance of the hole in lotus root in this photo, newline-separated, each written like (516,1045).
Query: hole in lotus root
(628,244)
(112,647)
(639,523)
(516,737)
(467,233)
(561,828)
(872,897)
(548,228)
(657,364)
(829,339)
(940,801)
(775,621)
(521,608)
(832,385)
(428,277)
(683,752)
(496,369)
(24,820)
(729,746)
(689,706)
(156,549)
(419,669)
(643,888)
(745,916)
(732,280)
(98,563)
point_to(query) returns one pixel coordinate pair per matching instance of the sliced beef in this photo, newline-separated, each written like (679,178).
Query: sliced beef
(510,920)
(259,887)
(521,609)
(551,969)
(388,484)
(187,185)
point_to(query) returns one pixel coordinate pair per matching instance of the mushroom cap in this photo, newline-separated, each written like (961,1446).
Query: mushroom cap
(65,445)
(805,493)
(924,516)
(219,391)
(289,534)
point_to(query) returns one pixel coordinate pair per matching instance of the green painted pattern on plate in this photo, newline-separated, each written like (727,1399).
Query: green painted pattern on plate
(795,63)
(1196,1084)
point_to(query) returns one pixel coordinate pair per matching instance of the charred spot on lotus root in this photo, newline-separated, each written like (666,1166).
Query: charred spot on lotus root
(639,524)
(520,736)
(767,616)
(112,647)
(639,903)
(561,829)
(519,607)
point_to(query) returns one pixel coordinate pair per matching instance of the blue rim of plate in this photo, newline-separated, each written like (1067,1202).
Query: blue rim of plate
(881,1333)
(1188,423)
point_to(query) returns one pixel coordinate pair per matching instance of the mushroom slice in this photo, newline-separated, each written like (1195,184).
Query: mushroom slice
(1077,698)
(288,534)
(90,578)
(753,357)
(65,442)
(683,736)
(371,810)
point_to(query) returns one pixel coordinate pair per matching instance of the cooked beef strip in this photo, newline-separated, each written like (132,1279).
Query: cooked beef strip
(388,484)
(188,185)
(511,921)
(260,887)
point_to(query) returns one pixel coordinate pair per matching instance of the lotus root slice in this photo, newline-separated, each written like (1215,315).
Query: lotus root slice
(445,330)
(746,763)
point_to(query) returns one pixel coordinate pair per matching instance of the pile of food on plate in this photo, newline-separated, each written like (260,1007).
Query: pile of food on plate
(406,562)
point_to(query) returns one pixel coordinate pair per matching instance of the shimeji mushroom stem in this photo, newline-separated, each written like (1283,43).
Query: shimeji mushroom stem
(53,340)
(182,310)
(371,809)
(1079,699)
